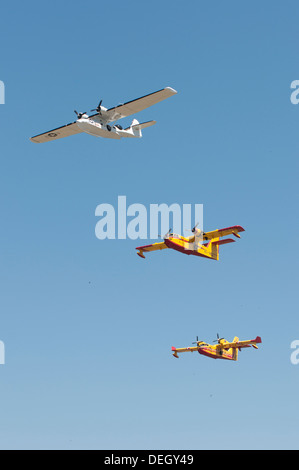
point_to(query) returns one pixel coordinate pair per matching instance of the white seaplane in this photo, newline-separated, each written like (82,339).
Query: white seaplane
(98,124)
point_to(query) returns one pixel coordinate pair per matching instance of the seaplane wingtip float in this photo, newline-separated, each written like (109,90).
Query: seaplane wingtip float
(222,350)
(102,123)
(204,244)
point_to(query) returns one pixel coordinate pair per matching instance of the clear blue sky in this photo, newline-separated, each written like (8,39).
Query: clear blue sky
(87,325)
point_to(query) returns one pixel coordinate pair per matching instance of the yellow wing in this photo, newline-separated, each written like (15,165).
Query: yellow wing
(223,232)
(153,247)
(175,351)
(243,344)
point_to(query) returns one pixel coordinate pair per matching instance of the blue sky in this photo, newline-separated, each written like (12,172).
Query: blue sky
(87,325)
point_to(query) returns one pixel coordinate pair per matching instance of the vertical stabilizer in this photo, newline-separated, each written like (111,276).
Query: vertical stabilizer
(234,351)
(136,128)
(214,247)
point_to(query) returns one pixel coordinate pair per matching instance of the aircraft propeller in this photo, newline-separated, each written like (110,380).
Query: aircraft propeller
(98,108)
(193,230)
(195,342)
(218,339)
(79,114)
(166,234)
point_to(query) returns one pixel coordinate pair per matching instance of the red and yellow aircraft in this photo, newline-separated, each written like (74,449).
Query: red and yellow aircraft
(194,245)
(222,350)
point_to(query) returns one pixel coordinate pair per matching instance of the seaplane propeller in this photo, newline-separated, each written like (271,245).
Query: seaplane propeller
(79,115)
(98,108)
(166,234)
(193,230)
(218,339)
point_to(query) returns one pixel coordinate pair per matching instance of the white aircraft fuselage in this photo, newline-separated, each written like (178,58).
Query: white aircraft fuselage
(102,124)
(99,129)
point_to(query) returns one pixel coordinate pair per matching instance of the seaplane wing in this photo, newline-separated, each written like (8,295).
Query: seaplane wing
(153,247)
(223,232)
(64,131)
(134,106)
(243,344)
(175,351)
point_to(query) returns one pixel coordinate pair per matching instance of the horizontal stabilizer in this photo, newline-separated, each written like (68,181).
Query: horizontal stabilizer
(142,125)
(223,242)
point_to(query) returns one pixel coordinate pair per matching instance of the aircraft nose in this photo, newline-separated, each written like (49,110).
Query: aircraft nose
(167,242)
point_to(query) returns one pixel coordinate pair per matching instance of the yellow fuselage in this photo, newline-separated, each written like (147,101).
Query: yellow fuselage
(188,247)
(217,353)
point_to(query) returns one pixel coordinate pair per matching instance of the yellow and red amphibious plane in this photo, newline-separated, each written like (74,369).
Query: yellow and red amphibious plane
(222,350)
(194,245)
